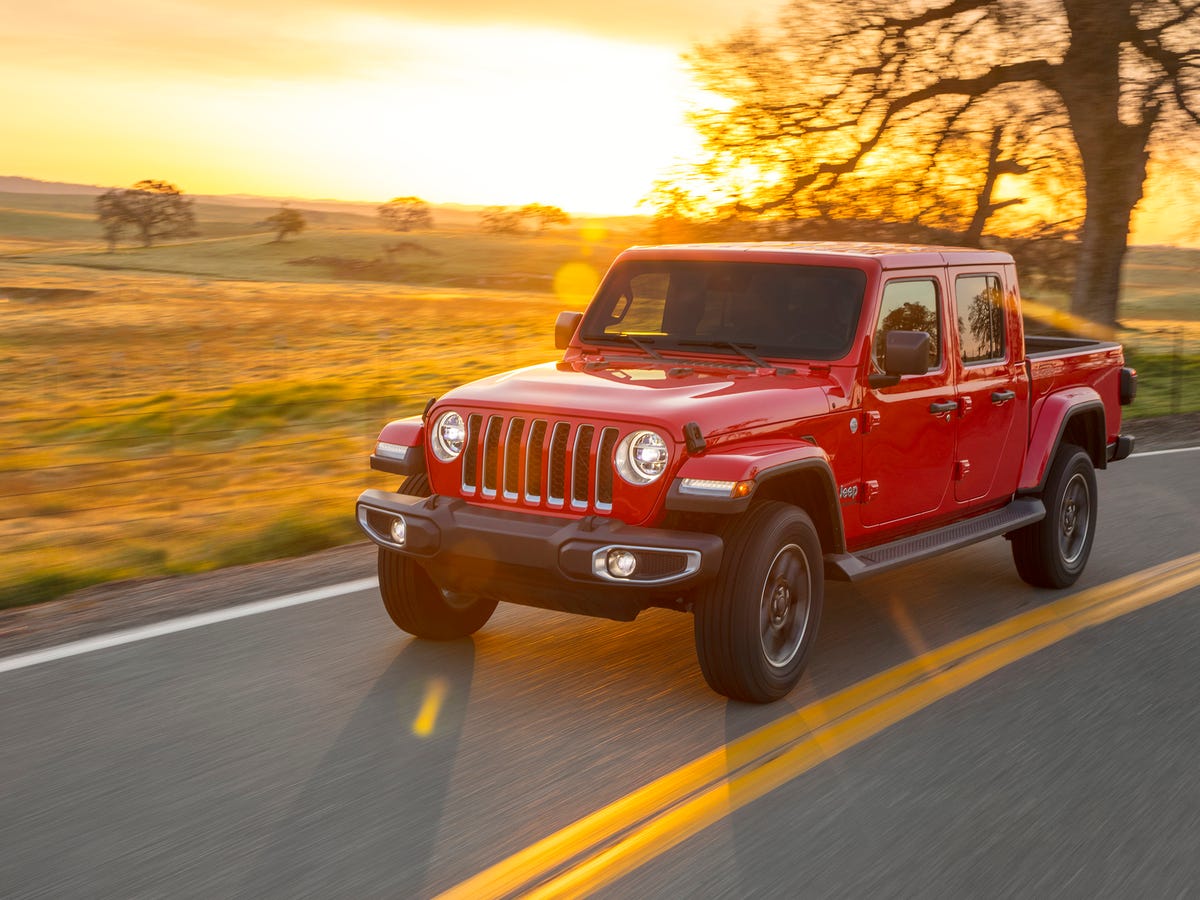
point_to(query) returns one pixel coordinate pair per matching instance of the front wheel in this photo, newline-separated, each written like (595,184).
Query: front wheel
(415,603)
(1052,553)
(756,623)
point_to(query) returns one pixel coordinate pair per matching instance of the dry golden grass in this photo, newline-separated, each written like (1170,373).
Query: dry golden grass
(162,424)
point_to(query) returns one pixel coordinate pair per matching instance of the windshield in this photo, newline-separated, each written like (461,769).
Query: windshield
(774,309)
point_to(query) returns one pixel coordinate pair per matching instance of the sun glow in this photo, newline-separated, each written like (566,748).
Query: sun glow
(466,114)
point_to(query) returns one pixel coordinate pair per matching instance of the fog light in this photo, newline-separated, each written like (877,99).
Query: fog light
(399,531)
(621,563)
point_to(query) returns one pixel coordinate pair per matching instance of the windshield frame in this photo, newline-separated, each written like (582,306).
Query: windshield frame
(733,291)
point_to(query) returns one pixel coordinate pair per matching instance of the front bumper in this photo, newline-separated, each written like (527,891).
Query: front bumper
(538,560)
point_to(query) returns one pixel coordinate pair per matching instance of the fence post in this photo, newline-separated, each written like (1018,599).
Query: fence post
(1177,374)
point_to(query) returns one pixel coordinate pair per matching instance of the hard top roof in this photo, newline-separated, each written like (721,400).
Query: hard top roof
(887,255)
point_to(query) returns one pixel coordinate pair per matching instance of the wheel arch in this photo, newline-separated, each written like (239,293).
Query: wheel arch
(1071,417)
(803,478)
(809,485)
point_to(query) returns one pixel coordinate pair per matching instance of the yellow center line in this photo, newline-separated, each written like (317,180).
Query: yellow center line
(608,844)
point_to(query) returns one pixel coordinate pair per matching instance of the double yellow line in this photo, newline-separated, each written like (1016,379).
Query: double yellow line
(608,844)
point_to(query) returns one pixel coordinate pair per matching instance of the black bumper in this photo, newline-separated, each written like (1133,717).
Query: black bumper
(1121,448)
(538,560)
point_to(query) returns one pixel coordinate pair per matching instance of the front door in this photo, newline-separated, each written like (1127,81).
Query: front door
(908,445)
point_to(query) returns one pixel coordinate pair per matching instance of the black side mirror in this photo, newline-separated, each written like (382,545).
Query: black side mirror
(905,353)
(564,328)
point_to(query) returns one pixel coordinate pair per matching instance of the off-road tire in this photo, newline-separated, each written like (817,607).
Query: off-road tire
(1052,553)
(757,621)
(414,602)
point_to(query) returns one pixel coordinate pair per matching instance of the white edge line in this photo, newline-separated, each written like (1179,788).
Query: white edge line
(183,623)
(1163,452)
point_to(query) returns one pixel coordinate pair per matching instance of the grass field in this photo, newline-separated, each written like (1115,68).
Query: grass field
(212,401)
(162,424)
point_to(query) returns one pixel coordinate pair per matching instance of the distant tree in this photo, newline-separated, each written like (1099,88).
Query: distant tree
(112,222)
(286,221)
(405,214)
(500,219)
(154,209)
(509,220)
(545,215)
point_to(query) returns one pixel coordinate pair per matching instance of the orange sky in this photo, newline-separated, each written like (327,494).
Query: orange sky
(462,101)
(581,106)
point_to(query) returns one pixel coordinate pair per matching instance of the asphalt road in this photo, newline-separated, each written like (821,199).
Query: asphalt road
(314,751)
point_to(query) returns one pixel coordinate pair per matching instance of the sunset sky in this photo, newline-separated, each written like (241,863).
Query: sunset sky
(467,101)
(580,105)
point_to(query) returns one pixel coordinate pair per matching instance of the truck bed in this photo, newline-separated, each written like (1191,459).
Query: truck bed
(1041,345)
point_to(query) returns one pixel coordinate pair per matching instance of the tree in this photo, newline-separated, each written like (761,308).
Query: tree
(500,219)
(110,213)
(405,214)
(286,221)
(545,215)
(507,220)
(919,108)
(154,209)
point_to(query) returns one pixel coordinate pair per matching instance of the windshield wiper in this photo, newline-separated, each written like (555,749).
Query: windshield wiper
(641,343)
(746,350)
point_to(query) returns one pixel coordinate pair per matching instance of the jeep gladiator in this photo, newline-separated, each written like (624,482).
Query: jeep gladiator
(730,426)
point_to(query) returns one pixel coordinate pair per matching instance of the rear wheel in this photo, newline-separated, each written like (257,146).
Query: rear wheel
(1053,552)
(415,603)
(756,623)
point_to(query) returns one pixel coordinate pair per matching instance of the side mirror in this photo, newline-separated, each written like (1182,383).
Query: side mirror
(565,327)
(905,353)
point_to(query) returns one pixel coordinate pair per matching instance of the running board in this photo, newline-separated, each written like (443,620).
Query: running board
(873,560)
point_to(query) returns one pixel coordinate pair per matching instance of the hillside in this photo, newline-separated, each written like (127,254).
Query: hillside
(20,193)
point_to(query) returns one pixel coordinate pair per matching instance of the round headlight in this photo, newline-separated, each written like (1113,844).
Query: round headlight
(642,457)
(449,434)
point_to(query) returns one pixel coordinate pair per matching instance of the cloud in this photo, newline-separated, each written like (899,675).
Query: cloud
(677,23)
(210,40)
(308,39)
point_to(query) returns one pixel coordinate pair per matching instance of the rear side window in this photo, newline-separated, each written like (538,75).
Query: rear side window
(910,305)
(980,317)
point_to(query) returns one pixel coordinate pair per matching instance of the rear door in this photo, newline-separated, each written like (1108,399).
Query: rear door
(991,387)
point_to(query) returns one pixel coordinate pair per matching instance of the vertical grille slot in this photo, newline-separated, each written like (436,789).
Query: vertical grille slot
(580,465)
(491,455)
(470,460)
(539,462)
(512,458)
(533,461)
(604,468)
(556,488)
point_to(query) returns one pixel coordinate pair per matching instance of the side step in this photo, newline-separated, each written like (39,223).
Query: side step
(873,560)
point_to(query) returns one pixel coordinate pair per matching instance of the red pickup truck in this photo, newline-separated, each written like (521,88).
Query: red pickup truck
(731,425)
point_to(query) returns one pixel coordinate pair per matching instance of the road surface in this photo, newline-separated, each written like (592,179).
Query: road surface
(311,750)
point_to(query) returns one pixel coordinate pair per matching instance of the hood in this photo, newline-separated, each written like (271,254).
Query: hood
(666,394)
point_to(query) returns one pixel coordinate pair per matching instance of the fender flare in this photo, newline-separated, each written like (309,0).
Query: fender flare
(1045,437)
(407,433)
(764,472)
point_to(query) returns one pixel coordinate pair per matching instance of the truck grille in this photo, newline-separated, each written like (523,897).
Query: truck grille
(537,462)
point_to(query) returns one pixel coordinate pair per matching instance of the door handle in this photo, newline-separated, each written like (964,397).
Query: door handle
(940,409)
(1002,397)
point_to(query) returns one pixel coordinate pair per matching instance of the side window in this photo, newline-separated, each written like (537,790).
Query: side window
(911,305)
(980,317)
